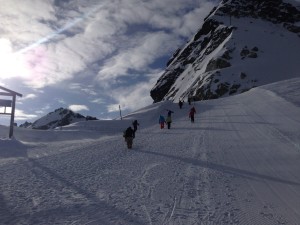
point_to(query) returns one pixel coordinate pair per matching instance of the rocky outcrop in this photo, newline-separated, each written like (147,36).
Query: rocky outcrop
(217,62)
(26,125)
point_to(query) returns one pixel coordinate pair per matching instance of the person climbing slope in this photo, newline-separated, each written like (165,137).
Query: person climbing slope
(161,121)
(135,124)
(169,112)
(192,114)
(129,135)
(180,103)
(169,121)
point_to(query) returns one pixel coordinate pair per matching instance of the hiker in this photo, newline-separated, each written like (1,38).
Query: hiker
(180,103)
(192,114)
(129,135)
(161,121)
(135,124)
(169,112)
(169,121)
(189,101)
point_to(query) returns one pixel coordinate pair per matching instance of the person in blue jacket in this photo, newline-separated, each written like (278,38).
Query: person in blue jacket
(161,121)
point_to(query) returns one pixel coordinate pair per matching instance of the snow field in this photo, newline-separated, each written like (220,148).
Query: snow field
(237,164)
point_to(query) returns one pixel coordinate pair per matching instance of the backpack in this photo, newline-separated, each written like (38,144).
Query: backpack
(128,133)
(169,120)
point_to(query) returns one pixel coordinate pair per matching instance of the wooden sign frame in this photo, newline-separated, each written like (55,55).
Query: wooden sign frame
(9,103)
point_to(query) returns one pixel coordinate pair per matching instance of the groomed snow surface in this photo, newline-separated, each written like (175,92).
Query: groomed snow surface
(239,163)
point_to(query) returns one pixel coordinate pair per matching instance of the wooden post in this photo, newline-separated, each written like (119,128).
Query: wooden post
(12,117)
(9,103)
(120,112)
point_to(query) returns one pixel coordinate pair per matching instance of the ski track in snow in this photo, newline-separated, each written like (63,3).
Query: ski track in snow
(237,164)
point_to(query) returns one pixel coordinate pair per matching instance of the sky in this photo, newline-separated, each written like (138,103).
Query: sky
(90,56)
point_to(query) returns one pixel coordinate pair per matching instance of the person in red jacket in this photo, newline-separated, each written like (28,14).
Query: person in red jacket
(192,114)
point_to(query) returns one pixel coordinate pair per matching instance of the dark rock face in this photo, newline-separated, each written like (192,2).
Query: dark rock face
(249,53)
(212,36)
(26,124)
(275,11)
(217,64)
(208,43)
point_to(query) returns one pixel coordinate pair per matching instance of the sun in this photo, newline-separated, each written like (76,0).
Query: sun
(12,64)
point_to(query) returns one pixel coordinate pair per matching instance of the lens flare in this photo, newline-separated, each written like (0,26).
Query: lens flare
(28,62)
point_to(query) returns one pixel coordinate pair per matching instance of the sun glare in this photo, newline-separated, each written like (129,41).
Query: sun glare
(12,64)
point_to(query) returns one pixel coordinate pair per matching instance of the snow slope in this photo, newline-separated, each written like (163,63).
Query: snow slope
(237,164)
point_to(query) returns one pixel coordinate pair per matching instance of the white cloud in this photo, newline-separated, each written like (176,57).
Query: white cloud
(77,108)
(21,115)
(193,20)
(135,96)
(28,96)
(21,21)
(63,42)
(148,47)
(98,101)
(93,31)
(113,108)
(89,89)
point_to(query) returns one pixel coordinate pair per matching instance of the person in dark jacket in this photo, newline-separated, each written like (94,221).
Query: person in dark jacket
(180,103)
(170,112)
(192,114)
(169,121)
(129,135)
(135,124)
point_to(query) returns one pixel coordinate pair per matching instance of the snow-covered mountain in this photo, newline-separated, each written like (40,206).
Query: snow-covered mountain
(57,118)
(241,44)
(238,164)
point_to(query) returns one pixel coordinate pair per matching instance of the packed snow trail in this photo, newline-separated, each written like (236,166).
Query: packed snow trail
(237,164)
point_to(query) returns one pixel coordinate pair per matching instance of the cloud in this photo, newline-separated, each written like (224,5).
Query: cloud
(147,48)
(77,108)
(21,115)
(98,101)
(70,36)
(193,19)
(86,89)
(21,22)
(102,50)
(135,96)
(28,96)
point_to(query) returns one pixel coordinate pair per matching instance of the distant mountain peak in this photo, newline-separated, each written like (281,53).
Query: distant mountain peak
(241,44)
(59,117)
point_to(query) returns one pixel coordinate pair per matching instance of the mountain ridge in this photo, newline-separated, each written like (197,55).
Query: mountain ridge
(235,37)
(59,117)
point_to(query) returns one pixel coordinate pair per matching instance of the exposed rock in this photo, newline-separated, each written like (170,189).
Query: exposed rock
(243,75)
(26,124)
(245,52)
(217,64)
(216,46)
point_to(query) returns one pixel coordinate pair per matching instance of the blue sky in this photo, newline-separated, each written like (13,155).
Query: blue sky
(88,55)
